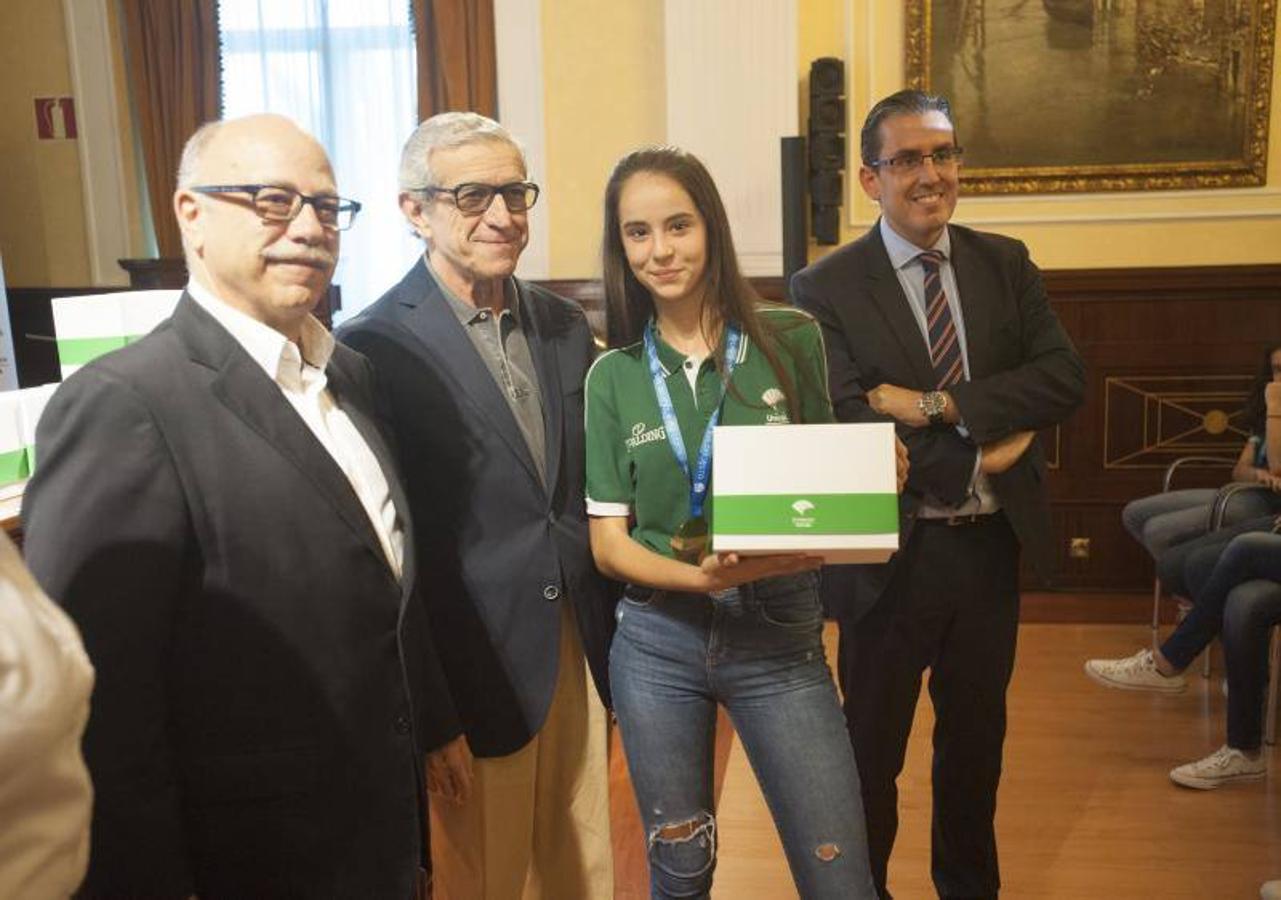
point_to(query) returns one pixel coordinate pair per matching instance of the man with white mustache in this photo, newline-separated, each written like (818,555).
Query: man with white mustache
(218,511)
(947,332)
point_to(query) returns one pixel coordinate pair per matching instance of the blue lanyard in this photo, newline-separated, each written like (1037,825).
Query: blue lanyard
(698,481)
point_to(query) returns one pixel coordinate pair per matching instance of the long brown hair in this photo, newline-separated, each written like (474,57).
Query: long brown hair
(1255,412)
(628,305)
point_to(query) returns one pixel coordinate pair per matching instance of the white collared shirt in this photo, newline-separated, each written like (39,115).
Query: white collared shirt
(300,375)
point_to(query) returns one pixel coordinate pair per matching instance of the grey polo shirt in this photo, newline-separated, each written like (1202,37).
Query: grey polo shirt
(500,340)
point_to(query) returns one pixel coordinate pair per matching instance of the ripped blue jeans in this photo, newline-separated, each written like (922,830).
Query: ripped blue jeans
(758,652)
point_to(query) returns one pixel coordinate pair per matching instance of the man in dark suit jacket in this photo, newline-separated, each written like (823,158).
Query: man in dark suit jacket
(483,379)
(218,510)
(948,332)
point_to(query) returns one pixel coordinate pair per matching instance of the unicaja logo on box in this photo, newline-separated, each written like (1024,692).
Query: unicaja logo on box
(802,519)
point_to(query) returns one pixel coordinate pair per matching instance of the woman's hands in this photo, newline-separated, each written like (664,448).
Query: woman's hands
(726,570)
(623,559)
(1272,397)
(1264,477)
(901,464)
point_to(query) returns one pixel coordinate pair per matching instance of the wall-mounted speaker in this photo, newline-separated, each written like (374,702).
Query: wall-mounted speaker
(827,147)
(795,230)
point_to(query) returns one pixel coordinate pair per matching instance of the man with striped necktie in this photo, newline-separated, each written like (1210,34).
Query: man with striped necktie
(948,332)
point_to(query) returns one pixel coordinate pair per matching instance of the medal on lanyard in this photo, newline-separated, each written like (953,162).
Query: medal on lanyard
(689,543)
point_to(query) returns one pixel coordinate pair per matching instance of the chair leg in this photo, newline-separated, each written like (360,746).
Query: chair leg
(1156,612)
(1274,678)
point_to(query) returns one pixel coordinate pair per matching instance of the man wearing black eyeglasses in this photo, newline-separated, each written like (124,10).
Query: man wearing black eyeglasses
(482,374)
(947,332)
(219,512)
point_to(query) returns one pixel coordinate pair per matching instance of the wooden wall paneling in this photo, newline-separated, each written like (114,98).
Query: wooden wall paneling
(1169,353)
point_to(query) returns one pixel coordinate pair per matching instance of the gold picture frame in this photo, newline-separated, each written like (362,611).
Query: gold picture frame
(1057,96)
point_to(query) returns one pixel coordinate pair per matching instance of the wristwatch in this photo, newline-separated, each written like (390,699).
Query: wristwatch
(932,405)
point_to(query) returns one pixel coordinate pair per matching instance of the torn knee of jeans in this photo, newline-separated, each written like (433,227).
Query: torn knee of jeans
(686,848)
(700,828)
(827,852)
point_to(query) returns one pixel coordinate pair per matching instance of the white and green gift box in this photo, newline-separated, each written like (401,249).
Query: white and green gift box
(19,413)
(87,327)
(825,490)
(14,465)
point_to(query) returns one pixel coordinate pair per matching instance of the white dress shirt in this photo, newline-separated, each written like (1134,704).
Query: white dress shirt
(300,375)
(45,795)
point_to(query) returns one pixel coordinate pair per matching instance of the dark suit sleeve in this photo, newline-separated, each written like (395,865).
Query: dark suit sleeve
(107,536)
(1048,381)
(434,712)
(942,461)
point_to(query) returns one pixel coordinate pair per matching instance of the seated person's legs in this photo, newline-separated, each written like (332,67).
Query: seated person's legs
(1162,520)
(1174,566)
(1183,568)
(1251,609)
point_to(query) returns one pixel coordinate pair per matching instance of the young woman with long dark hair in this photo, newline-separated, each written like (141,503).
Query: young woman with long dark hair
(693,345)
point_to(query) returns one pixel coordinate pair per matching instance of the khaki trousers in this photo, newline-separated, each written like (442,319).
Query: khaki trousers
(536,826)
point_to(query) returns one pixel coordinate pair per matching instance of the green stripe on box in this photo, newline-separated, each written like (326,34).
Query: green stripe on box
(78,351)
(795,514)
(14,466)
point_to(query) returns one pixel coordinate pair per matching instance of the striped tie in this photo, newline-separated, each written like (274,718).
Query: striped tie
(945,349)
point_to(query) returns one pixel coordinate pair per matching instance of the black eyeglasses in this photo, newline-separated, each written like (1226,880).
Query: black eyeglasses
(282,204)
(473,197)
(905,163)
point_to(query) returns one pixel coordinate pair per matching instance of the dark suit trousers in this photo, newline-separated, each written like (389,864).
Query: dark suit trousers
(952,605)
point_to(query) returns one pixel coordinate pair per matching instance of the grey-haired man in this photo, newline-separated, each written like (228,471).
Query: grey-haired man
(482,376)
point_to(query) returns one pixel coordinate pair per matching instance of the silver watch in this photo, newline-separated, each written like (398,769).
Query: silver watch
(932,405)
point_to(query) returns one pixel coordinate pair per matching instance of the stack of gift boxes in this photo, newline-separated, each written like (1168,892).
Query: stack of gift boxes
(86,327)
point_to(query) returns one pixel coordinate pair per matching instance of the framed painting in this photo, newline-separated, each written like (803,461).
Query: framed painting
(1054,96)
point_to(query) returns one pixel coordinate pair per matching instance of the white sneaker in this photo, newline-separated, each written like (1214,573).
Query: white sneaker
(1223,766)
(1271,890)
(1134,673)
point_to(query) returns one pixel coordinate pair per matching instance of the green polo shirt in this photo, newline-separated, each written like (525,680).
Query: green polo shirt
(631,470)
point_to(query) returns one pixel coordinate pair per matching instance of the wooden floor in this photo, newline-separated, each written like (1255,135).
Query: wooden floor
(1086,809)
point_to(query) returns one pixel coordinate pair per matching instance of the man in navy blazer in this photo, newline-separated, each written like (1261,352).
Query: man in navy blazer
(947,332)
(220,512)
(482,376)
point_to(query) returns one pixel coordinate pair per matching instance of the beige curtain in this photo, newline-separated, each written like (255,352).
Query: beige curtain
(457,69)
(175,84)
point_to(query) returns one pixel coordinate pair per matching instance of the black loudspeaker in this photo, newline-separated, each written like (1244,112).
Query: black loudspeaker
(827,221)
(795,227)
(827,147)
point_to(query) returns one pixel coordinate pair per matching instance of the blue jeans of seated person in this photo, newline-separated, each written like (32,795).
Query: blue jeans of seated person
(1204,620)
(1191,562)
(1162,521)
(1244,586)
(758,652)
